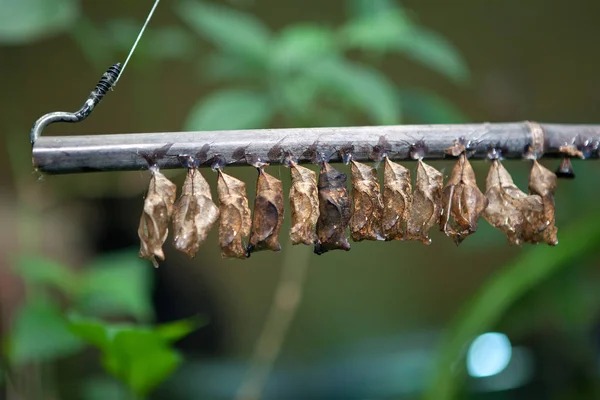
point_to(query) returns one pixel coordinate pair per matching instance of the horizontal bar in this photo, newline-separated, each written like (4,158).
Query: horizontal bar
(119,152)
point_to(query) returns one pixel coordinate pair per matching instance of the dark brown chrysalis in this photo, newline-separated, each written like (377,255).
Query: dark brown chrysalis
(509,209)
(194,213)
(304,202)
(427,203)
(268,213)
(367,205)
(397,200)
(334,210)
(235,218)
(154,223)
(542,182)
(462,202)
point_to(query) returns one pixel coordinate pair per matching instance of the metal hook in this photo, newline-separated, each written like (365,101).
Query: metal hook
(106,83)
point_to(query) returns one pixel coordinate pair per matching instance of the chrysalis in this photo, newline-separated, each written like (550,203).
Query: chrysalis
(235,219)
(367,206)
(304,201)
(509,209)
(462,202)
(543,183)
(334,210)
(397,200)
(268,213)
(194,213)
(427,203)
(154,223)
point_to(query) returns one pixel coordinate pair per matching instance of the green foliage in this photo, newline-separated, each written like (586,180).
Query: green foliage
(304,74)
(25,21)
(230,109)
(141,357)
(114,285)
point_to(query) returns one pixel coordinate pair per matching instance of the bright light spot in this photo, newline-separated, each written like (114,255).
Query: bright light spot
(488,355)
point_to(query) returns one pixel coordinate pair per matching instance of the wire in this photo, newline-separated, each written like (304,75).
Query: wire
(138,39)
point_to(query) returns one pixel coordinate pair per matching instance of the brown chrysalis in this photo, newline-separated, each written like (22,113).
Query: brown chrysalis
(334,210)
(304,202)
(268,213)
(367,205)
(462,202)
(194,213)
(542,182)
(427,203)
(397,200)
(154,223)
(235,219)
(509,209)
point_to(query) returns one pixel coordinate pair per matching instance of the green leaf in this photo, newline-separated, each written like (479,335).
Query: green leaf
(117,284)
(94,332)
(434,51)
(230,109)
(500,292)
(377,31)
(25,21)
(394,31)
(365,87)
(170,42)
(42,271)
(173,331)
(229,67)
(302,46)
(41,333)
(429,108)
(140,358)
(228,29)
(368,8)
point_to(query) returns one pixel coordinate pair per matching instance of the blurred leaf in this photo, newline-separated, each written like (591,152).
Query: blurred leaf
(228,29)
(377,31)
(229,67)
(142,359)
(394,31)
(173,331)
(42,271)
(434,51)
(429,108)
(94,332)
(40,333)
(500,292)
(103,388)
(92,43)
(230,109)
(24,21)
(117,284)
(170,42)
(365,87)
(368,8)
(301,46)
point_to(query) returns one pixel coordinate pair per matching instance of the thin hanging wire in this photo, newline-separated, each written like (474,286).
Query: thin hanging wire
(137,40)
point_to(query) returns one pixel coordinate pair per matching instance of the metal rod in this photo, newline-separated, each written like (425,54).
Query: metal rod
(119,152)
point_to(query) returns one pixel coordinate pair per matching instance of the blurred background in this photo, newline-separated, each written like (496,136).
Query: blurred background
(83,318)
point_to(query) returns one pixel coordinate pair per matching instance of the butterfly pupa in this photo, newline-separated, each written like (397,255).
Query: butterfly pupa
(304,203)
(194,213)
(542,182)
(367,205)
(234,221)
(462,202)
(427,203)
(397,200)
(334,210)
(154,223)
(268,213)
(509,209)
